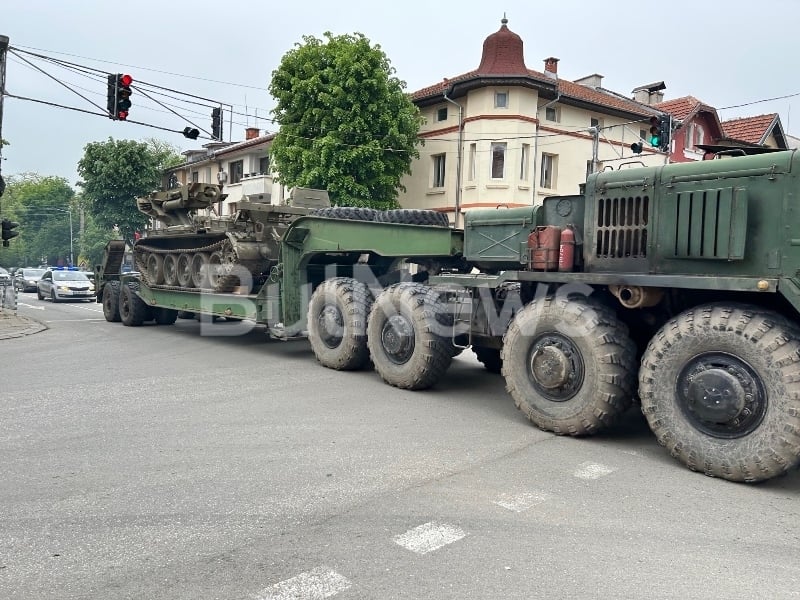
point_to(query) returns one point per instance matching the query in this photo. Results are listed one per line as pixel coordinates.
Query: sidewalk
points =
(14, 325)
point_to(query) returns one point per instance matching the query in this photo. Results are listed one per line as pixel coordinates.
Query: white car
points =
(63, 283)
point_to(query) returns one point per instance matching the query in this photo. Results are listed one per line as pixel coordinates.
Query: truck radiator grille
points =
(709, 224)
(622, 227)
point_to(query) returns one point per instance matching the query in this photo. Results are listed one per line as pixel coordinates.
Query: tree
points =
(115, 173)
(345, 123)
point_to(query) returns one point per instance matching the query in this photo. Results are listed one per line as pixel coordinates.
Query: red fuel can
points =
(543, 248)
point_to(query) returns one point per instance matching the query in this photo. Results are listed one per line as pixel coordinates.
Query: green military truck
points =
(677, 287)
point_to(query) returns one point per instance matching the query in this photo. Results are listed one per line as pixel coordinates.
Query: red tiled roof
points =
(753, 130)
(503, 58)
(681, 108)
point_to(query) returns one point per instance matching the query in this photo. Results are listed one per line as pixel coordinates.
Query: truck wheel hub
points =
(331, 326)
(716, 396)
(555, 367)
(397, 339)
(550, 367)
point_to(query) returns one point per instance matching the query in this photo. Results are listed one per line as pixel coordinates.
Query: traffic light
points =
(216, 124)
(191, 133)
(660, 131)
(637, 147)
(8, 231)
(118, 97)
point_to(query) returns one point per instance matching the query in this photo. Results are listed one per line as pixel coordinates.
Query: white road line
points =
(72, 320)
(521, 502)
(429, 537)
(30, 306)
(590, 470)
(318, 583)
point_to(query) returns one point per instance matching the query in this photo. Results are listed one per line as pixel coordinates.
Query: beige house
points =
(506, 135)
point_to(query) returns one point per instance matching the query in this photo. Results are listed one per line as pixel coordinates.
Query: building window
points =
(501, 99)
(195, 176)
(694, 136)
(524, 162)
(263, 165)
(236, 171)
(438, 170)
(549, 167)
(643, 135)
(473, 152)
(551, 114)
(596, 122)
(499, 161)
(441, 114)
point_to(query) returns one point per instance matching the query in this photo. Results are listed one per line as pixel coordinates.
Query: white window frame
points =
(524, 162)
(554, 111)
(473, 154)
(549, 171)
(501, 94)
(498, 151)
(438, 170)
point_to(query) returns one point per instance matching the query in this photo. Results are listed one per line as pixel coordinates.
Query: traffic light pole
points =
(3, 53)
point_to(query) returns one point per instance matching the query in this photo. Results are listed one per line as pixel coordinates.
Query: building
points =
(697, 124)
(760, 130)
(507, 135)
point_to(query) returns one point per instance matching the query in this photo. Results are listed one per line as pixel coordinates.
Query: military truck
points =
(674, 287)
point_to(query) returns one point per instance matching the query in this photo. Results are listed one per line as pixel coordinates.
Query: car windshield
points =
(32, 272)
(69, 276)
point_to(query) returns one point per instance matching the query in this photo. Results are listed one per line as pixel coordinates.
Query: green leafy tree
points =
(115, 173)
(345, 123)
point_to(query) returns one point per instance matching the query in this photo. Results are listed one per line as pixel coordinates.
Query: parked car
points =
(63, 283)
(5, 277)
(25, 279)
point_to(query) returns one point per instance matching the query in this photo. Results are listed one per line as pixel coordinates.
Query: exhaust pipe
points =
(635, 296)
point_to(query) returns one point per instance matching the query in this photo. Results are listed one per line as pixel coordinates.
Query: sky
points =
(726, 53)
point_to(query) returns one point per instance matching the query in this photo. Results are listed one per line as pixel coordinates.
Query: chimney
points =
(251, 133)
(551, 65)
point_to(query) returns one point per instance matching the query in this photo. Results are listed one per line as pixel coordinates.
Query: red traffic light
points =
(125, 79)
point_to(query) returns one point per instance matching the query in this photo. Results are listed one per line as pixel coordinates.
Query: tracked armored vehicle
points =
(200, 251)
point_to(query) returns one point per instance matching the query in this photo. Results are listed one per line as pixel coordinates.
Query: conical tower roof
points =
(502, 53)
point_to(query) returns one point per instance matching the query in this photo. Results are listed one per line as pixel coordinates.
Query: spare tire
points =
(413, 216)
(351, 213)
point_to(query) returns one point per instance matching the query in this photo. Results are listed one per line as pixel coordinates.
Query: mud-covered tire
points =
(569, 365)
(111, 302)
(411, 216)
(337, 323)
(406, 340)
(489, 358)
(720, 388)
(164, 316)
(132, 309)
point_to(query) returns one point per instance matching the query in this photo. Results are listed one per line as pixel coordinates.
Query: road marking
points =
(429, 537)
(521, 502)
(30, 306)
(318, 583)
(590, 470)
(72, 320)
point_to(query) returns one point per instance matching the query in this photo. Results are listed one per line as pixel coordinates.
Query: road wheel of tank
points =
(720, 388)
(155, 268)
(184, 270)
(164, 316)
(337, 323)
(170, 268)
(569, 365)
(199, 270)
(111, 302)
(132, 309)
(408, 344)
(489, 357)
(411, 216)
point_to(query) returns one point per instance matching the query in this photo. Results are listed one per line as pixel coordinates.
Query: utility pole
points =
(3, 52)
(595, 131)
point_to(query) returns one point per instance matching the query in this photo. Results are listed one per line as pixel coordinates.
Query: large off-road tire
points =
(720, 388)
(164, 316)
(569, 364)
(489, 357)
(351, 213)
(411, 216)
(132, 309)
(337, 323)
(111, 302)
(407, 342)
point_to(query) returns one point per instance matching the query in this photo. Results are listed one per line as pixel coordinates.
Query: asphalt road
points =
(156, 462)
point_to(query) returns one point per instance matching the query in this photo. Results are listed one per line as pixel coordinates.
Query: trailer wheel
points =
(337, 323)
(407, 342)
(132, 309)
(569, 365)
(720, 388)
(111, 302)
(165, 316)
(489, 357)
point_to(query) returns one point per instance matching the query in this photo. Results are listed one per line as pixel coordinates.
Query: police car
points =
(65, 283)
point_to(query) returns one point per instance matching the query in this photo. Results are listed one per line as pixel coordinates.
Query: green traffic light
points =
(655, 141)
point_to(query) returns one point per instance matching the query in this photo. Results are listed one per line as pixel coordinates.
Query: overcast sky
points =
(724, 53)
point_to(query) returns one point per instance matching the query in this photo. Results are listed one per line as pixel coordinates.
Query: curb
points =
(15, 326)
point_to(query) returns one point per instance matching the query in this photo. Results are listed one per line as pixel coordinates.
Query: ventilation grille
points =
(710, 224)
(622, 227)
